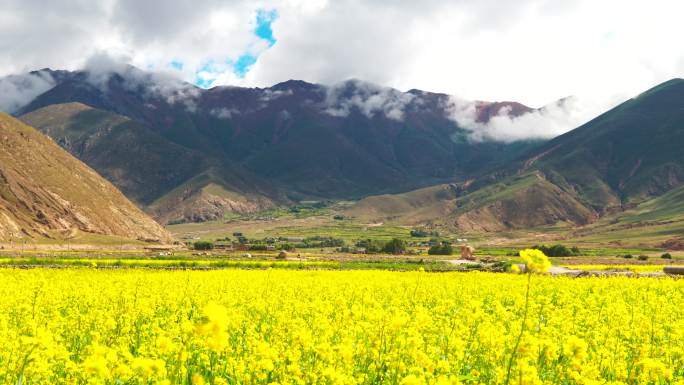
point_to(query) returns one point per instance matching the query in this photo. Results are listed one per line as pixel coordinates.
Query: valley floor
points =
(638, 237)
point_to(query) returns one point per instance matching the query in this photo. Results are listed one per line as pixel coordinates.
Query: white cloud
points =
(544, 123)
(368, 98)
(269, 95)
(163, 85)
(224, 112)
(151, 33)
(18, 90)
(531, 51)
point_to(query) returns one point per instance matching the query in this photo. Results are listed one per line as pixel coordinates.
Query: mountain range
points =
(186, 154)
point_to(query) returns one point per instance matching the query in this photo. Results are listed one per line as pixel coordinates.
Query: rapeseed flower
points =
(535, 260)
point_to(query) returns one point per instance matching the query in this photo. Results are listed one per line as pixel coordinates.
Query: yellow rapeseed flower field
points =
(87, 326)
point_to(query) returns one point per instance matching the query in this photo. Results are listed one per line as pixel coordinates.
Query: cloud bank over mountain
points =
(544, 123)
(532, 51)
(18, 90)
(338, 100)
(368, 98)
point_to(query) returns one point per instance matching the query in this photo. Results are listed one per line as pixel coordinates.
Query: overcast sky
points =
(531, 51)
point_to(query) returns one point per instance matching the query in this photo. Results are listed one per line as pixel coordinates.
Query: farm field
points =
(602, 238)
(399, 264)
(650, 268)
(87, 326)
(292, 227)
(487, 259)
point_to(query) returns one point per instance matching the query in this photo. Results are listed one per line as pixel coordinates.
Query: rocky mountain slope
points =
(47, 193)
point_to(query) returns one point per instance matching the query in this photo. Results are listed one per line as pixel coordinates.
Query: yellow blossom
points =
(535, 260)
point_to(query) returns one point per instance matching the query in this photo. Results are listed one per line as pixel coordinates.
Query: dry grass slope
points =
(47, 193)
(413, 207)
(206, 197)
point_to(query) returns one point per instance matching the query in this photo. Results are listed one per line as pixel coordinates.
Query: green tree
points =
(395, 246)
(443, 249)
(203, 245)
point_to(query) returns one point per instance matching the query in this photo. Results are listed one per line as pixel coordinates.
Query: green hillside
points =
(418, 206)
(624, 168)
(653, 222)
(624, 156)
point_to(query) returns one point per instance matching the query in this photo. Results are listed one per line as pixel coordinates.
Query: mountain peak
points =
(672, 85)
(293, 84)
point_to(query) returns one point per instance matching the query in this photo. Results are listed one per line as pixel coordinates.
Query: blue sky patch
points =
(177, 64)
(242, 65)
(263, 30)
(204, 83)
(264, 19)
(207, 68)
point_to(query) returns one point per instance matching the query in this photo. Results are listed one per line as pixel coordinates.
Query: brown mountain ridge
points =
(47, 193)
